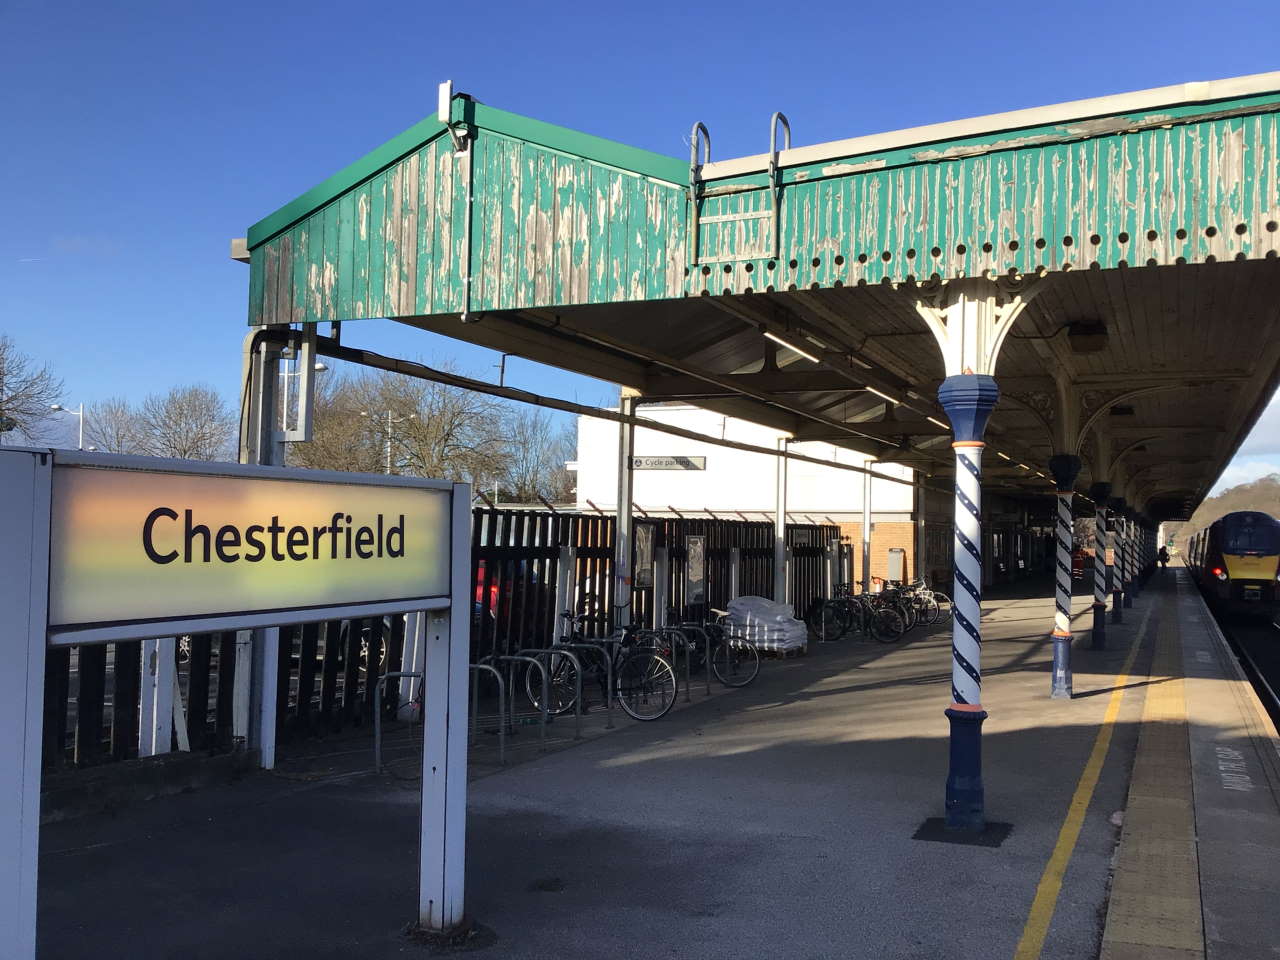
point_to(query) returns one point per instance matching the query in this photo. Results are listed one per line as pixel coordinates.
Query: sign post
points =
(102, 548)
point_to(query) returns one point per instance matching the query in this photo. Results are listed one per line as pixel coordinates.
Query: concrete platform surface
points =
(774, 821)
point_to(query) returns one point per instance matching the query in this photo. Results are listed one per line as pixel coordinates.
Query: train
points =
(1236, 562)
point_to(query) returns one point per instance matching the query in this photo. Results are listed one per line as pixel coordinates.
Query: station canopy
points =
(783, 287)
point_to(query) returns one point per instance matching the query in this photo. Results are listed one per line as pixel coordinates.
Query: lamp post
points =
(391, 421)
(78, 412)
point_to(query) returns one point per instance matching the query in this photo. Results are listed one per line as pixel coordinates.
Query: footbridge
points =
(1090, 290)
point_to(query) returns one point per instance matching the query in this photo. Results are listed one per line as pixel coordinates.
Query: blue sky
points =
(140, 137)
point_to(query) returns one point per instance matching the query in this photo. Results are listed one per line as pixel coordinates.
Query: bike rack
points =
(706, 648)
(476, 668)
(377, 711)
(577, 682)
(511, 689)
(608, 674)
(678, 640)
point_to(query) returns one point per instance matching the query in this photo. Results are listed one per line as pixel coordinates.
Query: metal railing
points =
(608, 674)
(476, 669)
(377, 711)
(511, 693)
(546, 672)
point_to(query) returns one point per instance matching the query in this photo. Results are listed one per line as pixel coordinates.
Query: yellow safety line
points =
(1037, 926)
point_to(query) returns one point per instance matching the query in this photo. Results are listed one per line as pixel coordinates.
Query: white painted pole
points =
(780, 526)
(267, 646)
(622, 534)
(735, 572)
(180, 733)
(412, 662)
(661, 586)
(565, 600)
(24, 600)
(257, 685)
(240, 689)
(155, 715)
(866, 528)
(442, 846)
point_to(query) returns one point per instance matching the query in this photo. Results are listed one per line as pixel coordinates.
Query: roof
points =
(1180, 100)
(563, 139)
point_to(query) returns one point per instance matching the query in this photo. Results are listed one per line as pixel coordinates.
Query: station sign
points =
(139, 545)
(668, 463)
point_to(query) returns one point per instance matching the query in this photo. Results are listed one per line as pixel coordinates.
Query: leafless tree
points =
(537, 448)
(113, 426)
(26, 391)
(189, 423)
(433, 430)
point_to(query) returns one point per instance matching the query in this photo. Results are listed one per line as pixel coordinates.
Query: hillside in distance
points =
(1262, 494)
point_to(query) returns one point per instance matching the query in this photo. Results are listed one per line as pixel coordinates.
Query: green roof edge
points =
(585, 145)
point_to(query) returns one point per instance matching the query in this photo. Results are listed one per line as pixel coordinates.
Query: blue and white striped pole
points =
(1140, 555)
(1065, 468)
(968, 400)
(1099, 492)
(1115, 571)
(1130, 551)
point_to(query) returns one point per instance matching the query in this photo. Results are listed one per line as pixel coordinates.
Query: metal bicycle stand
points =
(679, 640)
(706, 648)
(502, 708)
(608, 675)
(511, 689)
(577, 682)
(377, 712)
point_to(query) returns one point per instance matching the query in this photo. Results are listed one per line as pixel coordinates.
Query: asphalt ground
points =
(773, 821)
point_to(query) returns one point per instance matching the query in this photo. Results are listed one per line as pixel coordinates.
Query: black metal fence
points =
(327, 671)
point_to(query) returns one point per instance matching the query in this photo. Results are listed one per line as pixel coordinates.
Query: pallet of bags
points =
(772, 627)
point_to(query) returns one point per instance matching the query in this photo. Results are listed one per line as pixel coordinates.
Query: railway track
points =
(1257, 646)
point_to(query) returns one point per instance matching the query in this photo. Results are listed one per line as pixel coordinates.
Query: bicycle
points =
(735, 660)
(644, 681)
(877, 616)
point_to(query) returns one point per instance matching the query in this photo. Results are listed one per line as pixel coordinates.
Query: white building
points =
(687, 475)
(678, 475)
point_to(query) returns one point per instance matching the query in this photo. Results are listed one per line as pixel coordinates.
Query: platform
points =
(774, 821)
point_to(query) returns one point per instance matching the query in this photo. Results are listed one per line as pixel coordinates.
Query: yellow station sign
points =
(130, 545)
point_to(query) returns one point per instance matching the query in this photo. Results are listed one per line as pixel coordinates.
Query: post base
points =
(1117, 607)
(1098, 641)
(1128, 596)
(965, 804)
(1060, 687)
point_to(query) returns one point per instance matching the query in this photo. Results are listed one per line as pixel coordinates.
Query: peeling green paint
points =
(563, 218)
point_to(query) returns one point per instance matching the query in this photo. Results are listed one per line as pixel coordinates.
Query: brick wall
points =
(884, 536)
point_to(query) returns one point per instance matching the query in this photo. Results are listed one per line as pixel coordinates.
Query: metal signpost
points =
(668, 463)
(102, 548)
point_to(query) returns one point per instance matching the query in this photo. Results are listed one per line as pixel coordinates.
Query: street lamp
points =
(78, 412)
(390, 422)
